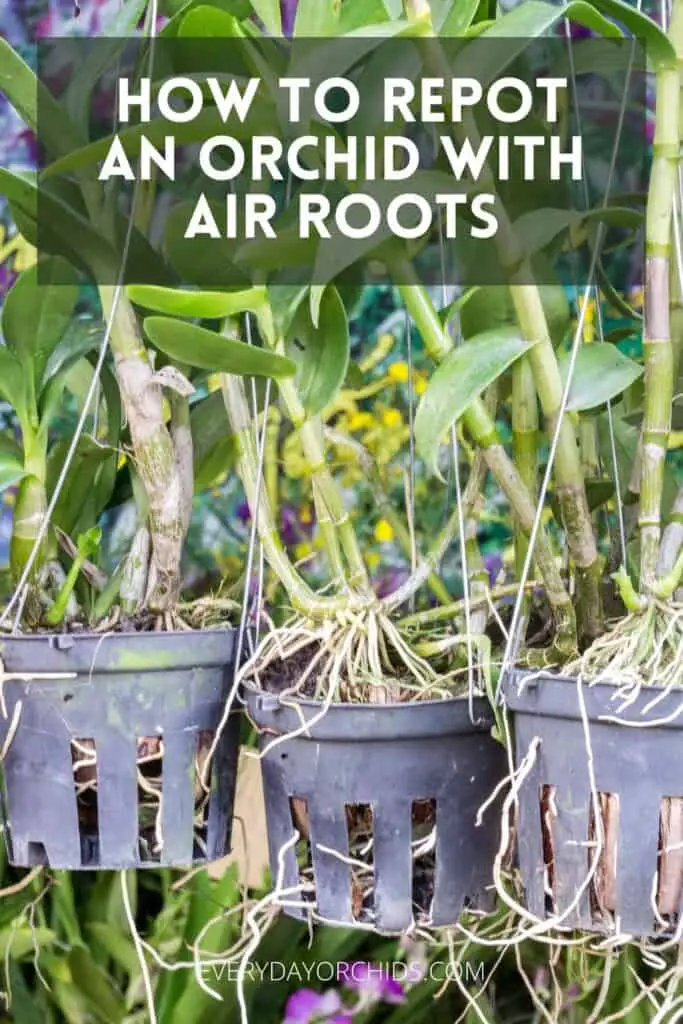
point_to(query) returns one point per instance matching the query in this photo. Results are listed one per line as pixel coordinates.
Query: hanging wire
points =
(462, 539)
(598, 309)
(514, 636)
(21, 591)
(411, 443)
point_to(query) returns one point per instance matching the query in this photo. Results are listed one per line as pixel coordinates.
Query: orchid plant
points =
(362, 645)
(301, 339)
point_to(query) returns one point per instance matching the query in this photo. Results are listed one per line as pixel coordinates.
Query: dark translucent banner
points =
(223, 162)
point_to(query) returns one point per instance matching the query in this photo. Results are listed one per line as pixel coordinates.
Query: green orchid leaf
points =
(214, 448)
(14, 388)
(465, 373)
(338, 253)
(77, 507)
(458, 17)
(284, 301)
(204, 22)
(27, 95)
(261, 121)
(538, 228)
(35, 316)
(601, 372)
(200, 304)
(208, 350)
(317, 18)
(66, 233)
(104, 1001)
(209, 264)
(268, 12)
(321, 352)
(11, 470)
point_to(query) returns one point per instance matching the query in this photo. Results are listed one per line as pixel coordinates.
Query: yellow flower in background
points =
(420, 384)
(384, 532)
(27, 255)
(399, 372)
(302, 551)
(305, 514)
(214, 382)
(392, 418)
(383, 346)
(589, 321)
(637, 297)
(361, 421)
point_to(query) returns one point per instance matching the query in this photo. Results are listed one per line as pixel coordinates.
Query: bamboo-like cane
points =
(524, 442)
(658, 349)
(153, 449)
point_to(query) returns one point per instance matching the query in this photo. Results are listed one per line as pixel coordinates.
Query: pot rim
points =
(89, 653)
(367, 722)
(549, 694)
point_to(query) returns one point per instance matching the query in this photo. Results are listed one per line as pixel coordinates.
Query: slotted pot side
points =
(115, 691)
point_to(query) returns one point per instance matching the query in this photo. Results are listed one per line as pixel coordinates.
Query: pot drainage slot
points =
(548, 812)
(150, 751)
(298, 811)
(423, 855)
(84, 767)
(670, 863)
(202, 787)
(359, 827)
(603, 887)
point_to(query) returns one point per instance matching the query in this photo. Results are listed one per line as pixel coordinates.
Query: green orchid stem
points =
(667, 585)
(384, 505)
(302, 597)
(270, 460)
(448, 611)
(524, 446)
(30, 507)
(548, 382)
(657, 344)
(633, 602)
(329, 503)
(56, 614)
(481, 426)
(109, 596)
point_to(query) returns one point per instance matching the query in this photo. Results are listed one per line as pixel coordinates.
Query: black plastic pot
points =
(635, 771)
(125, 688)
(391, 758)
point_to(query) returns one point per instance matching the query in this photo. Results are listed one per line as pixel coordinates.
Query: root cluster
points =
(644, 649)
(357, 658)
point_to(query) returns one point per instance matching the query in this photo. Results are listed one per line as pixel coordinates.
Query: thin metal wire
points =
(411, 444)
(455, 452)
(256, 609)
(598, 310)
(514, 636)
(20, 595)
(253, 533)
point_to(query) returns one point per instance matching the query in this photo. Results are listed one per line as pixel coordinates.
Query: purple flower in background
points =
(243, 513)
(373, 982)
(493, 564)
(288, 16)
(7, 279)
(308, 1007)
(388, 582)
